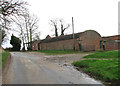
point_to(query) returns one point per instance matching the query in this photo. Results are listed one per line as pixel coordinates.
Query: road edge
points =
(6, 67)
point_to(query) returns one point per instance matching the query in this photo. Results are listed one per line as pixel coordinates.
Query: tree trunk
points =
(56, 33)
(27, 32)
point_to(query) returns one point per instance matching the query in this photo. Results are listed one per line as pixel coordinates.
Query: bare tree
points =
(63, 26)
(32, 28)
(36, 36)
(28, 28)
(9, 9)
(2, 36)
(59, 24)
(20, 30)
(54, 23)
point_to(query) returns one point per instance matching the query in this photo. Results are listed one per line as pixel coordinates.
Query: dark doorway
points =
(38, 46)
(80, 47)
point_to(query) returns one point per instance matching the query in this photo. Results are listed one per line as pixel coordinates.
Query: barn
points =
(112, 42)
(35, 45)
(88, 40)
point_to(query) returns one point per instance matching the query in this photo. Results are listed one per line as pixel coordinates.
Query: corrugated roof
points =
(59, 38)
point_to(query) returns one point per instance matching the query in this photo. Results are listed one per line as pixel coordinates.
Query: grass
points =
(58, 52)
(105, 70)
(106, 55)
(5, 55)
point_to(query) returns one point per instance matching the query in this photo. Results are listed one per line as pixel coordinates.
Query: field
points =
(105, 67)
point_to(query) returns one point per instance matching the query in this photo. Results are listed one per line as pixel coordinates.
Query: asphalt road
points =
(32, 68)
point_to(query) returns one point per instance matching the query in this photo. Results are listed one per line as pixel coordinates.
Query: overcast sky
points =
(98, 15)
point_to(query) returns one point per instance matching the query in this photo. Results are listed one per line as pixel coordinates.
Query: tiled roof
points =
(59, 38)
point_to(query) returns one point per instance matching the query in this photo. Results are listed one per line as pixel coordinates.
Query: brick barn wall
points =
(111, 46)
(35, 46)
(59, 45)
(90, 41)
(111, 43)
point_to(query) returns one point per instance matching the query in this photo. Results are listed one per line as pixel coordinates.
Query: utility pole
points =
(73, 34)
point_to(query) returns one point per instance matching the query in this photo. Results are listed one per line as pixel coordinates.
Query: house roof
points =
(48, 36)
(63, 37)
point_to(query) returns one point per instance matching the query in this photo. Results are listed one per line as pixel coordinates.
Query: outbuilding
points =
(84, 41)
(112, 42)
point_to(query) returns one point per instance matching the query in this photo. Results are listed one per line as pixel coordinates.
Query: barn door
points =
(80, 47)
(38, 46)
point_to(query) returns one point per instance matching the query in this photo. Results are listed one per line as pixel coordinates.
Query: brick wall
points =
(35, 45)
(112, 42)
(111, 45)
(89, 40)
(58, 45)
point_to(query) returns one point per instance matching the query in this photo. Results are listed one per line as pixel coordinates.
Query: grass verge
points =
(5, 55)
(106, 55)
(58, 52)
(106, 70)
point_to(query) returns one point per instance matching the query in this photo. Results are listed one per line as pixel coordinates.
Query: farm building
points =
(85, 41)
(35, 45)
(112, 42)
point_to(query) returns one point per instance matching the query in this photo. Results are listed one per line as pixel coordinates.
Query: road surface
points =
(33, 68)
